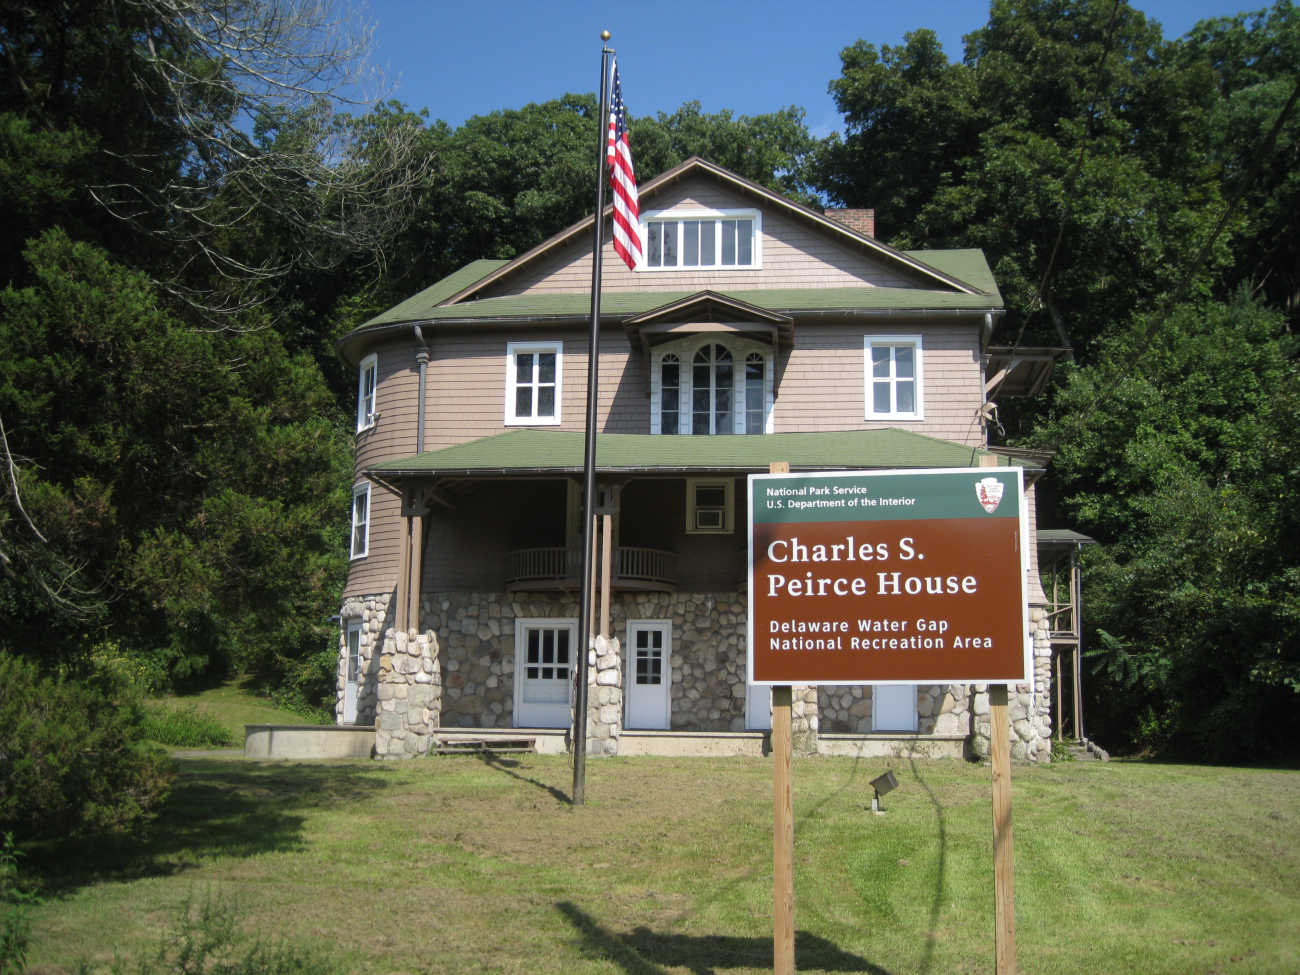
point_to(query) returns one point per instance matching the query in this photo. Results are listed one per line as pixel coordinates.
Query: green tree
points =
(1188, 473)
(189, 483)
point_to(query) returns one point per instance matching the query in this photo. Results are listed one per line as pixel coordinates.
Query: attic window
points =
(691, 240)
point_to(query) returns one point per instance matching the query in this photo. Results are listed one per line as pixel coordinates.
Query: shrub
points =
(185, 727)
(72, 757)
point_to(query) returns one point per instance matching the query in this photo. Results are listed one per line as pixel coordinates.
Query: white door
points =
(544, 672)
(352, 666)
(649, 674)
(893, 707)
(758, 707)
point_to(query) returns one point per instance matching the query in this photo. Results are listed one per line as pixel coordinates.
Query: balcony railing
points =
(561, 568)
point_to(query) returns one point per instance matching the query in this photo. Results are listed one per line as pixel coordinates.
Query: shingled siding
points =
(821, 388)
(393, 435)
(823, 381)
(793, 257)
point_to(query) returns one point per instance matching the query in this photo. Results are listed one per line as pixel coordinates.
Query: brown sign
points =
(880, 577)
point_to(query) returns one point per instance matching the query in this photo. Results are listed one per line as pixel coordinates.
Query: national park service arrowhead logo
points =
(989, 492)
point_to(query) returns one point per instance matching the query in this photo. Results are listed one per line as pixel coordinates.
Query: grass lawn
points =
(234, 706)
(465, 864)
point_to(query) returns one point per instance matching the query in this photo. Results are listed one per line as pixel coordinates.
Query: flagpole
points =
(589, 455)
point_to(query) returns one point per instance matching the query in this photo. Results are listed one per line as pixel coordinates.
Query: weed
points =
(207, 935)
(16, 905)
(185, 727)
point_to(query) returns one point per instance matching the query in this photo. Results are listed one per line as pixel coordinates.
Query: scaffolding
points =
(1059, 570)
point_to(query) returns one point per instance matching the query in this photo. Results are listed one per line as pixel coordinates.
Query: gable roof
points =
(695, 166)
(707, 311)
(555, 452)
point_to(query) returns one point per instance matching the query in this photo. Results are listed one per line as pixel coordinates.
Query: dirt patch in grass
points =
(478, 864)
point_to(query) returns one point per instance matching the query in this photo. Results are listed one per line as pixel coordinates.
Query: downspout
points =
(422, 358)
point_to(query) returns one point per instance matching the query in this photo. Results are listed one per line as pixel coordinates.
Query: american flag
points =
(622, 180)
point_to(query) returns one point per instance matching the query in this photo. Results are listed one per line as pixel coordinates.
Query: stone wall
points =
(466, 648)
(373, 611)
(604, 696)
(410, 690)
(943, 709)
(1028, 710)
(476, 633)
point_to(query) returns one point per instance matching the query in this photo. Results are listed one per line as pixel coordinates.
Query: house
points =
(758, 330)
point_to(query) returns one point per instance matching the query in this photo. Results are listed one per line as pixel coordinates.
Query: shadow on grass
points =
(645, 952)
(941, 871)
(507, 766)
(217, 808)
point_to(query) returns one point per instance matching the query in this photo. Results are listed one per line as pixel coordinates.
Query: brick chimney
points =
(863, 221)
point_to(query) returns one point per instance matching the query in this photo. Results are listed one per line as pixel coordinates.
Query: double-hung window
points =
(366, 393)
(893, 377)
(683, 240)
(533, 382)
(360, 520)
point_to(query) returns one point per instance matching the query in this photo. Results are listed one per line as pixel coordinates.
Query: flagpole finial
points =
(604, 35)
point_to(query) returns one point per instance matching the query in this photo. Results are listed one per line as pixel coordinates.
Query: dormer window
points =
(710, 388)
(690, 240)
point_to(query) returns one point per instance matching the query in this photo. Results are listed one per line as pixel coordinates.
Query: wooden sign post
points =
(887, 577)
(782, 818)
(1004, 892)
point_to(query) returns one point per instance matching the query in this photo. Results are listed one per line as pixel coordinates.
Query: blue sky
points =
(463, 59)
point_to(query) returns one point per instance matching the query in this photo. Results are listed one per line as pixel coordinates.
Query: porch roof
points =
(524, 452)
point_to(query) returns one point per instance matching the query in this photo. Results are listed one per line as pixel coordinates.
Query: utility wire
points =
(1131, 359)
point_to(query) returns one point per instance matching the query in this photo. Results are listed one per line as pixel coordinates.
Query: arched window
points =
(670, 380)
(755, 393)
(712, 389)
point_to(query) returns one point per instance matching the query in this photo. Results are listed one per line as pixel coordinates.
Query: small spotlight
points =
(883, 785)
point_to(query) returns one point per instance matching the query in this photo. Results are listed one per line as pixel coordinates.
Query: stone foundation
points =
(1028, 711)
(942, 709)
(410, 691)
(604, 696)
(457, 671)
(373, 611)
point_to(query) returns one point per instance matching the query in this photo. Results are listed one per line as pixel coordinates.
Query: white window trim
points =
(363, 422)
(893, 340)
(521, 652)
(728, 517)
(357, 490)
(533, 421)
(740, 214)
(685, 350)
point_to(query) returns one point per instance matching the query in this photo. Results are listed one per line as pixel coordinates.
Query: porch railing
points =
(561, 568)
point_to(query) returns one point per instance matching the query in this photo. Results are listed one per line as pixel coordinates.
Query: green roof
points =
(577, 304)
(969, 266)
(416, 306)
(519, 452)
